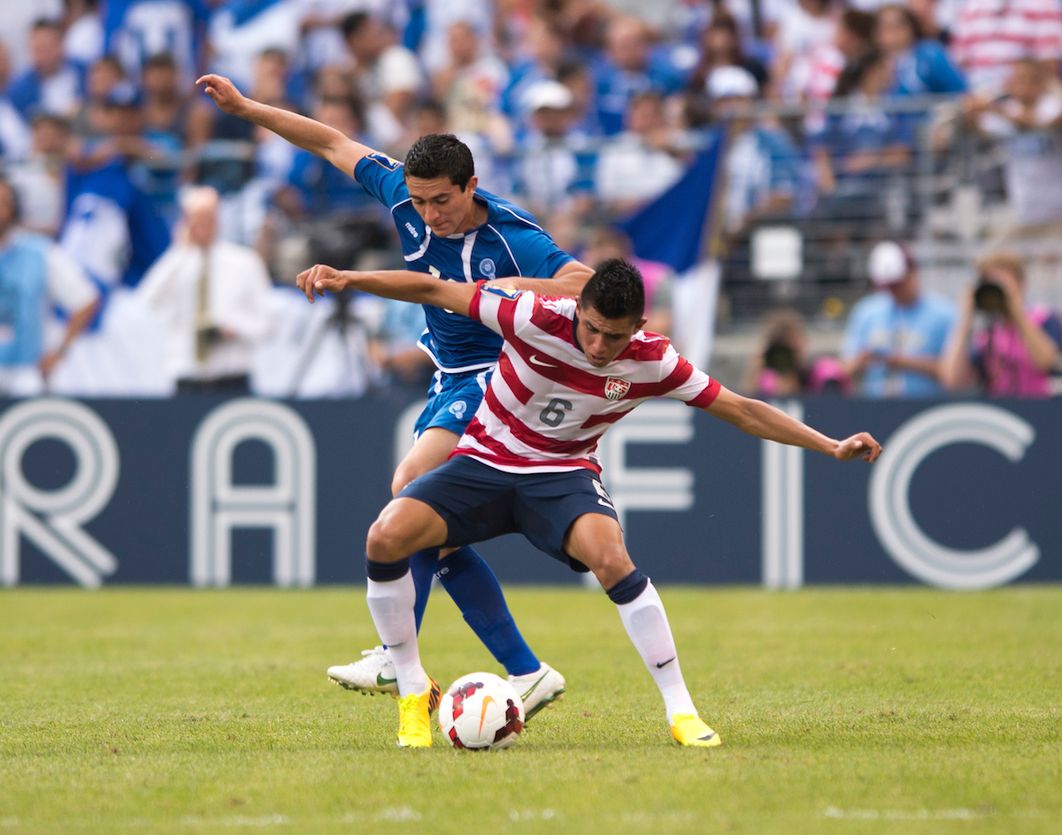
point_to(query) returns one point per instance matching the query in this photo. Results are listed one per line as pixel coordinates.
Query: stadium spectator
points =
(1014, 352)
(470, 85)
(804, 28)
(1028, 120)
(720, 46)
(394, 347)
(630, 66)
(638, 164)
(760, 166)
(920, 65)
(895, 337)
(15, 137)
(134, 30)
(860, 147)
(555, 171)
(853, 38)
(39, 178)
(83, 36)
(990, 35)
(546, 48)
(609, 242)
(35, 274)
(239, 30)
(783, 367)
(211, 298)
(102, 77)
(387, 75)
(16, 23)
(51, 84)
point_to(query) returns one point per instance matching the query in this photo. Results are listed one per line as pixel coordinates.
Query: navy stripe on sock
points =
(385, 572)
(629, 587)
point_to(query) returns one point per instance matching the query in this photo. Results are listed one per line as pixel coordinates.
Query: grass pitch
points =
(173, 711)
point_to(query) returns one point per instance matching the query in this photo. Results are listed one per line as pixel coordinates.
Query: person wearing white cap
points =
(896, 336)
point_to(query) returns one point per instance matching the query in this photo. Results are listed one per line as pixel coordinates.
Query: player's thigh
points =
(429, 451)
(404, 527)
(596, 540)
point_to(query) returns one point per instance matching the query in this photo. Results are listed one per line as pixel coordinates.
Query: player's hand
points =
(320, 279)
(862, 444)
(48, 363)
(223, 92)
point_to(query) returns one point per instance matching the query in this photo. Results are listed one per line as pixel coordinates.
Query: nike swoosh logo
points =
(487, 702)
(383, 682)
(663, 664)
(536, 361)
(531, 689)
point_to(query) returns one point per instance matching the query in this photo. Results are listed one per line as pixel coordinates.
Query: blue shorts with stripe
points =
(452, 400)
(478, 502)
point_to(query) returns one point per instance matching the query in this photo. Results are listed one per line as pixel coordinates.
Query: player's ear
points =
(640, 325)
(473, 181)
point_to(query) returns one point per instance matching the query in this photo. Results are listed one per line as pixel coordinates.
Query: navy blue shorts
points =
(478, 502)
(452, 400)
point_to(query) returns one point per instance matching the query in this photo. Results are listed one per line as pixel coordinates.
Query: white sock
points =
(391, 606)
(646, 623)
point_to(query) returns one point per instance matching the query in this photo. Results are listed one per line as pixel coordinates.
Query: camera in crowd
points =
(780, 357)
(988, 297)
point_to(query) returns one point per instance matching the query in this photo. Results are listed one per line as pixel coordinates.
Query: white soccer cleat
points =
(374, 673)
(538, 689)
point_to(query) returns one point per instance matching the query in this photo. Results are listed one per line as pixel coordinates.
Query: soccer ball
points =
(481, 711)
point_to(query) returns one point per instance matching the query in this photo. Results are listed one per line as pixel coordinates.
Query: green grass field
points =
(910, 711)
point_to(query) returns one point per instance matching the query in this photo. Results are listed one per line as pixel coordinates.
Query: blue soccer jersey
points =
(509, 243)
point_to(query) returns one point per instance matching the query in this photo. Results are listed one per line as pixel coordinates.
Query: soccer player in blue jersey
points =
(456, 232)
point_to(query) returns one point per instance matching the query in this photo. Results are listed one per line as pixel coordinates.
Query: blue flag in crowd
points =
(670, 229)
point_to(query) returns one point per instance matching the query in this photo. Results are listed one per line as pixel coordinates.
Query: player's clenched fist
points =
(319, 279)
(862, 444)
(223, 92)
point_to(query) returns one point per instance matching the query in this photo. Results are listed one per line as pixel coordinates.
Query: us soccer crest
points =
(615, 388)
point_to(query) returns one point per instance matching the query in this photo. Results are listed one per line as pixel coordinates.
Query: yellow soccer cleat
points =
(689, 729)
(414, 717)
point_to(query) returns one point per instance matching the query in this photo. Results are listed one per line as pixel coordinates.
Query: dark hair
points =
(615, 290)
(441, 155)
(860, 24)
(855, 71)
(909, 16)
(46, 23)
(161, 60)
(352, 23)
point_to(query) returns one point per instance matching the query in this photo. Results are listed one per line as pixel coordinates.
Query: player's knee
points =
(385, 542)
(611, 564)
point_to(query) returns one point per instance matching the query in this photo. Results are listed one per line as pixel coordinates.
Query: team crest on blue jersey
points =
(615, 388)
(458, 409)
(487, 268)
(499, 290)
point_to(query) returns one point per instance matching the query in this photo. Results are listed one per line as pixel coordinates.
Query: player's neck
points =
(476, 217)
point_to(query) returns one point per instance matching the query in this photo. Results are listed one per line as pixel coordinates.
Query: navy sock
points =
(423, 564)
(475, 590)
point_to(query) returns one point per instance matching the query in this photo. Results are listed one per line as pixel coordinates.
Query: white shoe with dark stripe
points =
(538, 689)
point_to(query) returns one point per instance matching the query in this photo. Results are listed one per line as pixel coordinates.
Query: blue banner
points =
(213, 492)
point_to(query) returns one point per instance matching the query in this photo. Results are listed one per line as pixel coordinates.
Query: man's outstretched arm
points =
(402, 285)
(328, 143)
(765, 421)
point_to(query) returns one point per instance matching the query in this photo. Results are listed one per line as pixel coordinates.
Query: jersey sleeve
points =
(383, 178)
(537, 256)
(687, 382)
(496, 307)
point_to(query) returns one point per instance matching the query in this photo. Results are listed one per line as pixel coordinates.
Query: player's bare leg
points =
(596, 540)
(404, 527)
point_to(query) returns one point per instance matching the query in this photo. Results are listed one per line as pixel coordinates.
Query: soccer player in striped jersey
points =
(568, 370)
(451, 230)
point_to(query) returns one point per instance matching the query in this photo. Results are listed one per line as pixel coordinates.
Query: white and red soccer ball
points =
(481, 711)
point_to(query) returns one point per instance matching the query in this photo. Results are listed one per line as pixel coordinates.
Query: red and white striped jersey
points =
(547, 406)
(990, 35)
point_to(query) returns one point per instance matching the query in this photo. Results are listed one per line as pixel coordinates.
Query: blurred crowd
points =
(130, 191)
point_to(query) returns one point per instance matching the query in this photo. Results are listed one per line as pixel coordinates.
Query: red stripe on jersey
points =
(650, 350)
(557, 370)
(528, 436)
(679, 374)
(597, 420)
(512, 380)
(473, 304)
(706, 397)
(506, 315)
(555, 324)
(498, 454)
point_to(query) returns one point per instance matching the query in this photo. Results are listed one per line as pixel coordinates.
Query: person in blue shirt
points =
(51, 83)
(895, 338)
(450, 229)
(920, 66)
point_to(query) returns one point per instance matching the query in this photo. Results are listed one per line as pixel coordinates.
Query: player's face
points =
(601, 339)
(446, 208)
